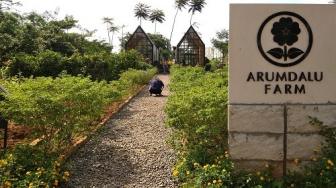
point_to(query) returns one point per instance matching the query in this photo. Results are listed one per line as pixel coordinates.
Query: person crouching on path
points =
(155, 87)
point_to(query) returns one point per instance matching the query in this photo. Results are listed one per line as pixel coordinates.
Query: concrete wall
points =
(257, 135)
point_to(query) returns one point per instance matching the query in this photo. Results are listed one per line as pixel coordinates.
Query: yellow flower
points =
(220, 181)
(10, 157)
(214, 181)
(8, 184)
(56, 183)
(258, 173)
(227, 155)
(328, 167)
(57, 164)
(206, 166)
(209, 183)
(31, 185)
(38, 173)
(292, 185)
(28, 173)
(262, 178)
(330, 162)
(188, 172)
(3, 163)
(196, 164)
(175, 173)
(66, 173)
(267, 165)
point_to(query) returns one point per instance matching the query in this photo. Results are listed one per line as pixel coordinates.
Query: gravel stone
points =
(130, 151)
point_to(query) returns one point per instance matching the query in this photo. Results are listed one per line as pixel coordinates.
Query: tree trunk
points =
(122, 38)
(112, 41)
(108, 35)
(155, 28)
(171, 33)
(191, 18)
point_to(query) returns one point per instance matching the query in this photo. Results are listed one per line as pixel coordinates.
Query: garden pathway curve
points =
(130, 151)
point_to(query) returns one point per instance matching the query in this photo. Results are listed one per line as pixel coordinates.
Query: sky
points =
(214, 17)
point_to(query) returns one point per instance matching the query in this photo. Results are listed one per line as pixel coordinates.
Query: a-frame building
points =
(141, 42)
(191, 49)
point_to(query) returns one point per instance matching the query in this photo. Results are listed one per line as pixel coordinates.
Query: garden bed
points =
(62, 113)
(17, 134)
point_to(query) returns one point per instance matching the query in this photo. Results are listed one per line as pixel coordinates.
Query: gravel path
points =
(130, 151)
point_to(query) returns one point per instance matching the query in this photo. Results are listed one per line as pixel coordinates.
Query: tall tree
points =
(179, 4)
(162, 43)
(141, 11)
(113, 29)
(157, 16)
(122, 36)
(221, 42)
(124, 40)
(7, 4)
(196, 6)
(109, 22)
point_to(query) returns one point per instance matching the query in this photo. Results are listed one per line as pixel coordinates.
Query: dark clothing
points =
(207, 67)
(155, 91)
(156, 86)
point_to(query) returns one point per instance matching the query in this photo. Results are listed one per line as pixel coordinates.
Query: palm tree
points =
(109, 22)
(179, 4)
(141, 11)
(196, 6)
(122, 35)
(157, 16)
(113, 29)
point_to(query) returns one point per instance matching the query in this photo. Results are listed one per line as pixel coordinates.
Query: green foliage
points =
(322, 171)
(28, 166)
(33, 34)
(57, 109)
(197, 113)
(221, 42)
(99, 66)
(163, 43)
(56, 106)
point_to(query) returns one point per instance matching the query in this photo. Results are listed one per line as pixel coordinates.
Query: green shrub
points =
(99, 66)
(28, 166)
(132, 78)
(23, 64)
(196, 110)
(56, 105)
(57, 109)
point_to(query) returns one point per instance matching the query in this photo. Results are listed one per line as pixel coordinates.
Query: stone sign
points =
(282, 54)
(282, 70)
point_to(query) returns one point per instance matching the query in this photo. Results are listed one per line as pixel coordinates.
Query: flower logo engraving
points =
(290, 34)
(285, 33)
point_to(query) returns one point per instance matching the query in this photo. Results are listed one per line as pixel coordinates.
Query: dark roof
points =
(191, 30)
(140, 30)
